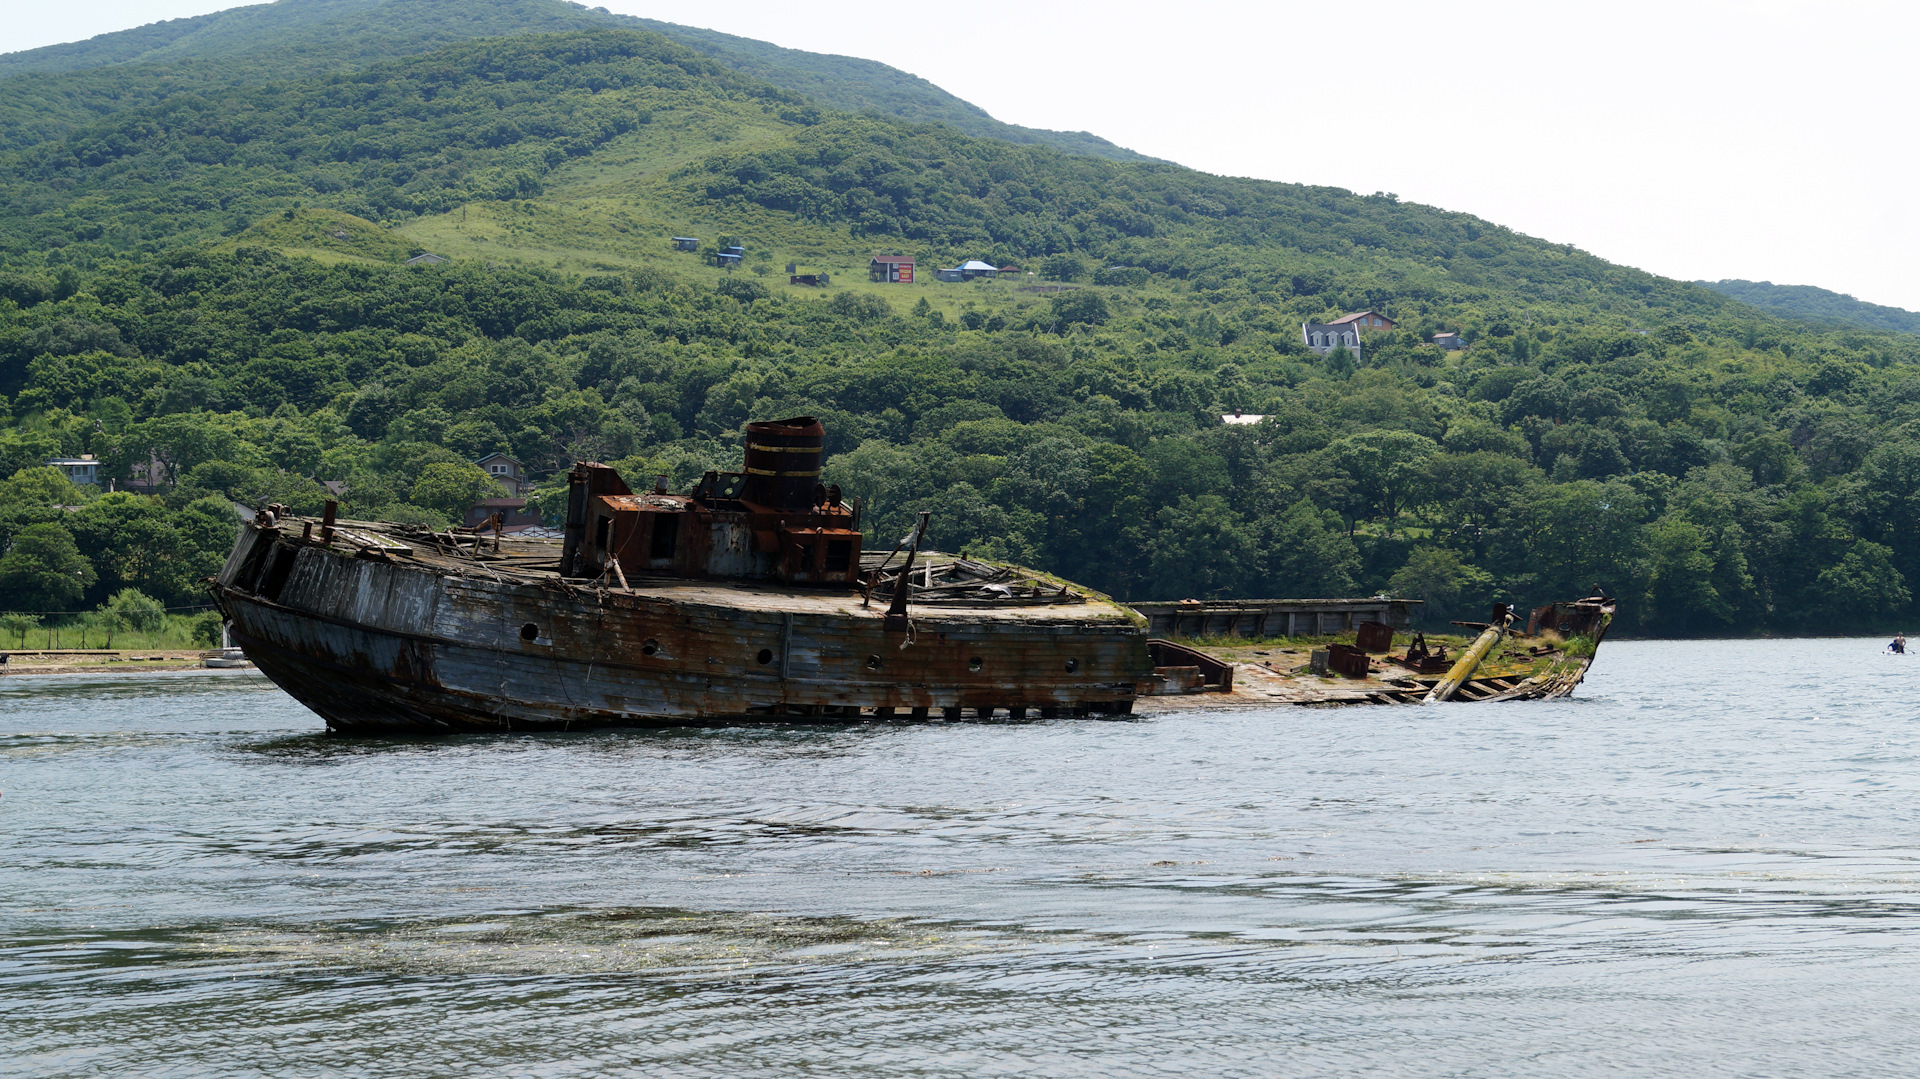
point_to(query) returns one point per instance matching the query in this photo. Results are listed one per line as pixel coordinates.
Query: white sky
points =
(1770, 139)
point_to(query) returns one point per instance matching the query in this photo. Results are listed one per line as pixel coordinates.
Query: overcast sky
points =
(1767, 139)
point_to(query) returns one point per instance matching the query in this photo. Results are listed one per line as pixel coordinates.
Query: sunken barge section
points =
(745, 600)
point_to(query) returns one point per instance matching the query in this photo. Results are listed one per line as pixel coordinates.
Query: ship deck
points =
(1267, 675)
(1030, 597)
(953, 590)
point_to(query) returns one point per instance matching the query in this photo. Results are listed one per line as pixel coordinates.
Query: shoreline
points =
(104, 661)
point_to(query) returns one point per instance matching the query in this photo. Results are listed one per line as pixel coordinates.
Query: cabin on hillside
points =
(1324, 337)
(969, 270)
(515, 514)
(1343, 332)
(896, 269)
(686, 243)
(507, 471)
(79, 470)
(427, 259)
(144, 477)
(1364, 321)
(815, 280)
(1448, 340)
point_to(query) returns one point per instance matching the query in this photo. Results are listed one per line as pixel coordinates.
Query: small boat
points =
(227, 656)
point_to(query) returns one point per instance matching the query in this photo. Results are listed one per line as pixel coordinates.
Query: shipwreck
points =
(750, 598)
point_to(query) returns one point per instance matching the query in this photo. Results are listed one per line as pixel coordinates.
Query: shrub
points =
(137, 610)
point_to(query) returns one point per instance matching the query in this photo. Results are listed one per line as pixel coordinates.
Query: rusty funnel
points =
(783, 462)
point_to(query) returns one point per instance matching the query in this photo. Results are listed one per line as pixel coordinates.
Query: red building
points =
(897, 269)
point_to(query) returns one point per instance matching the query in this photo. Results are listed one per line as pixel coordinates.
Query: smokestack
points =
(783, 462)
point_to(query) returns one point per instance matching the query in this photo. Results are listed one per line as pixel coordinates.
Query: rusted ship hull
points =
(379, 643)
(747, 598)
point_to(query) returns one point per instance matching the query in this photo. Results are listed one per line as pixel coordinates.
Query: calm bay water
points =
(1707, 863)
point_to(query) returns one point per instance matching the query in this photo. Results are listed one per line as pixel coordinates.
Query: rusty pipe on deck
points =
(1469, 661)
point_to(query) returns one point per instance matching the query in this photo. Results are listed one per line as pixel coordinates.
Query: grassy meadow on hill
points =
(211, 279)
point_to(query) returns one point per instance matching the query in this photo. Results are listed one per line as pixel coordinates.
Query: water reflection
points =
(788, 741)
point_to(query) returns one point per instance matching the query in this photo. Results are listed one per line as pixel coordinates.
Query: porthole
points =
(975, 663)
(1073, 665)
(873, 663)
(765, 657)
(650, 648)
(529, 632)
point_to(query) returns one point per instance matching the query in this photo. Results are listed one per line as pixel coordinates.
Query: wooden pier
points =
(1256, 618)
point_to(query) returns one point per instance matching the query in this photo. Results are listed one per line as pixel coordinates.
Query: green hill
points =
(290, 38)
(1817, 305)
(326, 235)
(176, 294)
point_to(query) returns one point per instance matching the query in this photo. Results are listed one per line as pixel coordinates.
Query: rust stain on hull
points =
(391, 645)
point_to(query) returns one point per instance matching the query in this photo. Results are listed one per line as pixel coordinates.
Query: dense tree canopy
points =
(1720, 469)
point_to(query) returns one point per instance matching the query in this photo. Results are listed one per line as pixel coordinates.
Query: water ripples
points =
(1687, 870)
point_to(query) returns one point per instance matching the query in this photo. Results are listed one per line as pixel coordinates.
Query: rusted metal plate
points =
(1213, 674)
(1347, 660)
(392, 645)
(1375, 637)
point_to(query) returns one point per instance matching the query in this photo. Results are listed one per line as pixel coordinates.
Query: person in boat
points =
(1898, 646)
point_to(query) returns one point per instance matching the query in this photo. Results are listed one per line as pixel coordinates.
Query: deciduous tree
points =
(43, 570)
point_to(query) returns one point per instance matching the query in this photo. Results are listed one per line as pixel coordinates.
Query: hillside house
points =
(427, 259)
(1324, 337)
(896, 269)
(686, 243)
(817, 280)
(507, 471)
(516, 515)
(144, 477)
(1343, 332)
(969, 270)
(1365, 321)
(81, 469)
(1449, 340)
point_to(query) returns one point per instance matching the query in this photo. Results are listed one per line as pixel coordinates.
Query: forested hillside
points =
(1818, 305)
(213, 284)
(75, 82)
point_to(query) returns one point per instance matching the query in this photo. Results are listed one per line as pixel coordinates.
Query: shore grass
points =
(178, 632)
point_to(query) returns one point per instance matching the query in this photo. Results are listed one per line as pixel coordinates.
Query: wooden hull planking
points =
(380, 645)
